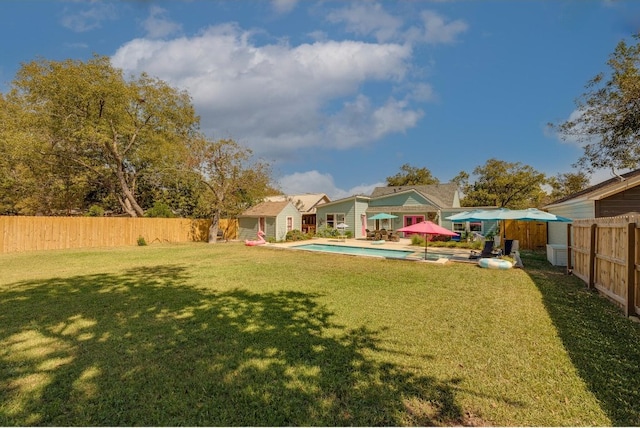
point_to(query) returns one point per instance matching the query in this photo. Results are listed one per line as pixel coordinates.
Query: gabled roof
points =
(266, 209)
(305, 203)
(604, 189)
(442, 194)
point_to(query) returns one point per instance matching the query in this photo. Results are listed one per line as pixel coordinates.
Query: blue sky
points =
(338, 95)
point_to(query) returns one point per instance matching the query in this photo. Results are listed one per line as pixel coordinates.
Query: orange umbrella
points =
(427, 228)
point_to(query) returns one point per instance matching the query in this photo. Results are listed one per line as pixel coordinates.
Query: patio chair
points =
(508, 247)
(384, 234)
(487, 251)
(370, 235)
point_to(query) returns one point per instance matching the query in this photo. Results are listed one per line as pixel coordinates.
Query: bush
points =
(296, 235)
(328, 232)
(141, 241)
(159, 209)
(95, 211)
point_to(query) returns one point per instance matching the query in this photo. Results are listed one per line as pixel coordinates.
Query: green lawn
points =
(225, 334)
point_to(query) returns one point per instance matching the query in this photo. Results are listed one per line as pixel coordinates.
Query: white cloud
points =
(576, 140)
(279, 98)
(370, 19)
(316, 182)
(367, 19)
(436, 29)
(90, 18)
(284, 6)
(157, 25)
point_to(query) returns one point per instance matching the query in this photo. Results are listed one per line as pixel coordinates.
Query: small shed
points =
(275, 219)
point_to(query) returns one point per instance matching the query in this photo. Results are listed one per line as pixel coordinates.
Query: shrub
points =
(327, 232)
(141, 241)
(159, 209)
(95, 211)
(296, 235)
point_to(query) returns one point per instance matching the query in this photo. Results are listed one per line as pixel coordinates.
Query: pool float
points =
(494, 263)
(259, 241)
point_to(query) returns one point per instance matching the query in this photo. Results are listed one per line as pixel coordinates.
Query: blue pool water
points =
(358, 251)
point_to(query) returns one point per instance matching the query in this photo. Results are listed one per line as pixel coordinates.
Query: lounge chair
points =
(370, 235)
(487, 251)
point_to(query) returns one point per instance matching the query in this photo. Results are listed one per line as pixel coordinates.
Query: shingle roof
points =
(266, 209)
(441, 194)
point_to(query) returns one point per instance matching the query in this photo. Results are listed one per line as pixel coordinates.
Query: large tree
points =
(87, 116)
(233, 181)
(567, 184)
(503, 184)
(412, 176)
(607, 119)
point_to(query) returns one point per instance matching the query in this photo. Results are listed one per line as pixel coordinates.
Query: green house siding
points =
(352, 209)
(247, 228)
(403, 199)
(280, 222)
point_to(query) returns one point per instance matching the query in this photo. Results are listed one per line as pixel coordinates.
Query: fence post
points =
(630, 304)
(592, 257)
(569, 243)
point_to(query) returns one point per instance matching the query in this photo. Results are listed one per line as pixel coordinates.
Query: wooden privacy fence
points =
(51, 233)
(531, 235)
(603, 252)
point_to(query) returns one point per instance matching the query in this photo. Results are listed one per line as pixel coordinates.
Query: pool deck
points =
(455, 254)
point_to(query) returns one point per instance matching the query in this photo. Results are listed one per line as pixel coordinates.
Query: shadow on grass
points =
(143, 348)
(603, 345)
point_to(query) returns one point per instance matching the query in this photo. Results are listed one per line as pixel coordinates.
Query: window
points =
(289, 224)
(334, 219)
(458, 227)
(475, 227)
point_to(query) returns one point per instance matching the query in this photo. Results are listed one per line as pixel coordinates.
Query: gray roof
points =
(441, 194)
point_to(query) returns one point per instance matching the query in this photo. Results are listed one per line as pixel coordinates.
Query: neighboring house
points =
(411, 204)
(306, 204)
(614, 197)
(275, 219)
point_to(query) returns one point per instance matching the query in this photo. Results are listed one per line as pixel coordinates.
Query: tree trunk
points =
(213, 229)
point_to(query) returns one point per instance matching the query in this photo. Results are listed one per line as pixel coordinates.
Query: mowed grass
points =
(224, 334)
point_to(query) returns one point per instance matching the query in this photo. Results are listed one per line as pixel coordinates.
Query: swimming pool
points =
(357, 251)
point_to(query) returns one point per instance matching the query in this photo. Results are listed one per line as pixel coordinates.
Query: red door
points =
(412, 219)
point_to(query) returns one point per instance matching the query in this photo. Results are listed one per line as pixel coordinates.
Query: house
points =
(411, 204)
(306, 204)
(613, 197)
(274, 218)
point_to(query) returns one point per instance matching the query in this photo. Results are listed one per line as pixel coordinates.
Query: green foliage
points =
(160, 209)
(505, 184)
(412, 176)
(327, 232)
(568, 183)
(608, 119)
(90, 132)
(297, 235)
(141, 241)
(232, 181)
(95, 211)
